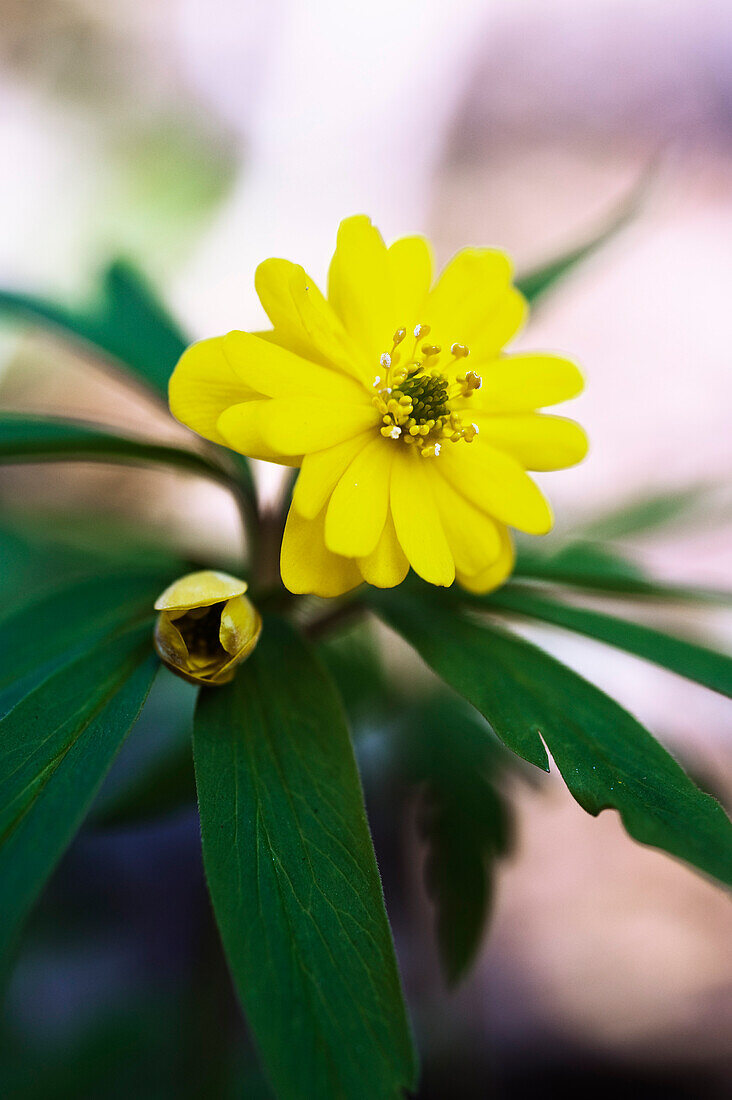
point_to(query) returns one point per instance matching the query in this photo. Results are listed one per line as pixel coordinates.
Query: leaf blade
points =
(56, 745)
(55, 626)
(534, 284)
(605, 756)
(694, 662)
(452, 756)
(127, 322)
(35, 438)
(283, 822)
(593, 568)
(648, 513)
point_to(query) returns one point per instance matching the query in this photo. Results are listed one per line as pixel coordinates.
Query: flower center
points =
(199, 629)
(414, 397)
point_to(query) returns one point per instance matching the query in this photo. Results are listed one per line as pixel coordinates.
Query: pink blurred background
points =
(200, 136)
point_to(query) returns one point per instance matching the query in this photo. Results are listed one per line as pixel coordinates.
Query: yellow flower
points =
(413, 430)
(206, 627)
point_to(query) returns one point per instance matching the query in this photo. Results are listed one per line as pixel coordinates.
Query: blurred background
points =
(197, 137)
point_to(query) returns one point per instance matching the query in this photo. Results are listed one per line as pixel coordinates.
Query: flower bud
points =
(206, 627)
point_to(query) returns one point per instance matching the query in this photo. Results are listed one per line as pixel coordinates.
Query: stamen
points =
(414, 398)
(392, 432)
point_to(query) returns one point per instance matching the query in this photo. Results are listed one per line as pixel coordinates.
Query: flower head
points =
(206, 627)
(412, 428)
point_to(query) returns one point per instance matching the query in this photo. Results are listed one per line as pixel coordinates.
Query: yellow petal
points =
(202, 385)
(303, 320)
(473, 303)
(522, 383)
(495, 573)
(291, 426)
(387, 565)
(417, 520)
(496, 484)
(538, 442)
(359, 288)
(201, 589)
(308, 566)
(321, 472)
(474, 537)
(498, 327)
(169, 643)
(410, 264)
(276, 372)
(240, 428)
(360, 501)
(240, 626)
(472, 271)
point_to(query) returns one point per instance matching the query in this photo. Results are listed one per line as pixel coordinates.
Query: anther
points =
(460, 351)
(473, 381)
(385, 360)
(431, 349)
(420, 331)
(399, 336)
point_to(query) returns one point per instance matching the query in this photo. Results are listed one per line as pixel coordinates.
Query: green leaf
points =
(30, 565)
(605, 756)
(695, 662)
(354, 662)
(465, 820)
(536, 283)
(79, 542)
(62, 622)
(165, 788)
(56, 745)
(293, 879)
(126, 322)
(648, 513)
(594, 568)
(32, 438)
(580, 559)
(154, 775)
(116, 1051)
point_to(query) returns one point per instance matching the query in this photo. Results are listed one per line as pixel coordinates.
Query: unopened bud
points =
(206, 627)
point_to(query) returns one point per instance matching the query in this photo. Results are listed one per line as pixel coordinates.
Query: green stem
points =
(342, 615)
